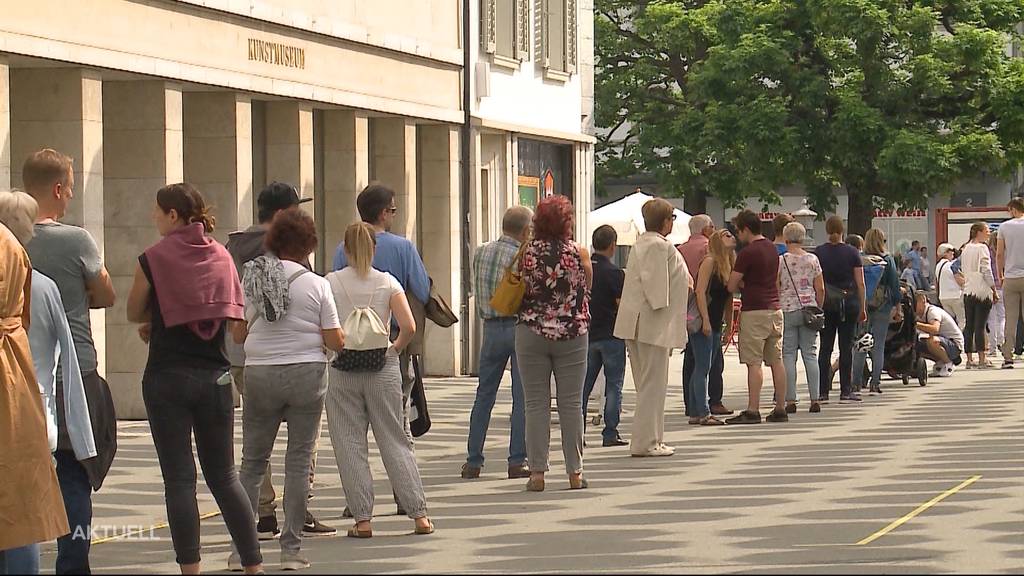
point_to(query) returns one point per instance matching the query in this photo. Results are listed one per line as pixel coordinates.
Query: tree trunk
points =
(861, 209)
(696, 202)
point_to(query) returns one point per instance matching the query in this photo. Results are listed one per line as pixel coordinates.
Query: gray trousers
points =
(273, 394)
(538, 359)
(357, 401)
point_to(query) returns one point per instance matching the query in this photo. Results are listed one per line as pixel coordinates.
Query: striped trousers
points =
(355, 402)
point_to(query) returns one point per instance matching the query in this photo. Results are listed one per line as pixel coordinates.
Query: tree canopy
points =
(891, 100)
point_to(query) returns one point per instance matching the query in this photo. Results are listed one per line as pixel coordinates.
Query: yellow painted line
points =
(919, 510)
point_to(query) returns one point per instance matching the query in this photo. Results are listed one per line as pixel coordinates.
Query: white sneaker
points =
(293, 561)
(235, 563)
(660, 450)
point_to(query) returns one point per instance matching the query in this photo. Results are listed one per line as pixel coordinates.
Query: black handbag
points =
(418, 398)
(814, 317)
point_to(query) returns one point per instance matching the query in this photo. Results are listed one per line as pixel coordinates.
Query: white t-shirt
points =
(1011, 233)
(296, 338)
(946, 280)
(376, 290)
(947, 325)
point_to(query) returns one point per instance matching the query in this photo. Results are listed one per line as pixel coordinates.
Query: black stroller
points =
(902, 362)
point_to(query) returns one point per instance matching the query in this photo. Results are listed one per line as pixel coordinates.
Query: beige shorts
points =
(761, 337)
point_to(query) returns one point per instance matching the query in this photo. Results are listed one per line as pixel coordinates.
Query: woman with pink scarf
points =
(186, 291)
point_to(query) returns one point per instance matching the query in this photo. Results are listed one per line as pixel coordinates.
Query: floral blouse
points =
(557, 301)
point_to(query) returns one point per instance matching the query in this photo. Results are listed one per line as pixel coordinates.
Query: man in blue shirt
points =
(914, 257)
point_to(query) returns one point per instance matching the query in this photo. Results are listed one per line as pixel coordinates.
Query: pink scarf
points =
(195, 281)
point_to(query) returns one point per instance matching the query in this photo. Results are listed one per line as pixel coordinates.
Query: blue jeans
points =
(705, 349)
(716, 386)
(73, 549)
(609, 354)
(497, 348)
(878, 325)
(23, 560)
(797, 337)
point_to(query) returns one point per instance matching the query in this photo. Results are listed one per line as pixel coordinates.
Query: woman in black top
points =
(186, 290)
(845, 308)
(715, 304)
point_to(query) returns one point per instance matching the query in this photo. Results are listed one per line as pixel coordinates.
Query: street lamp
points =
(806, 217)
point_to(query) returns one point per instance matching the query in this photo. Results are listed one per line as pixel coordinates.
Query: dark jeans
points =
(976, 311)
(844, 324)
(73, 549)
(610, 355)
(23, 560)
(185, 401)
(1018, 347)
(496, 352)
(716, 386)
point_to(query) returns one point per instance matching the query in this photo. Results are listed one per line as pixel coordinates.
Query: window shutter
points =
(571, 29)
(544, 19)
(488, 26)
(522, 31)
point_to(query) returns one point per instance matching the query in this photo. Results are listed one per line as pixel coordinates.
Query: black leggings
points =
(976, 310)
(842, 323)
(182, 401)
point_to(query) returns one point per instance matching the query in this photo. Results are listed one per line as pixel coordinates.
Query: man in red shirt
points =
(755, 275)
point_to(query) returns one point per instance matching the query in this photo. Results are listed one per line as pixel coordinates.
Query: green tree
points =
(891, 100)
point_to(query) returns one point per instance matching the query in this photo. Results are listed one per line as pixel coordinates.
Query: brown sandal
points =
(711, 421)
(424, 531)
(535, 486)
(354, 532)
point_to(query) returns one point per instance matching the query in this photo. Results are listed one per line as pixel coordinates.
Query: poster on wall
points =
(529, 191)
(549, 183)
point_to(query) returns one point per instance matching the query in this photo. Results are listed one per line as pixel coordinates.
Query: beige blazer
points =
(653, 306)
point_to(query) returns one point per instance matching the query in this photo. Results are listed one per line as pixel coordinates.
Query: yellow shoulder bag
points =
(508, 296)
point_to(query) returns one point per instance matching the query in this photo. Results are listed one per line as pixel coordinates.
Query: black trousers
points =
(976, 310)
(841, 323)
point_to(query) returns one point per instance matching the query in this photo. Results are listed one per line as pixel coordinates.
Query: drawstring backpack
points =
(366, 337)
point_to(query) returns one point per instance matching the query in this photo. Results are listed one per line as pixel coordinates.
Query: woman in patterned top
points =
(551, 338)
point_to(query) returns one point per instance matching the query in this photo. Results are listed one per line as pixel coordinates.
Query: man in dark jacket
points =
(246, 245)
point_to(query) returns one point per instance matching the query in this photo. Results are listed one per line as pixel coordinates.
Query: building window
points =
(505, 30)
(558, 30)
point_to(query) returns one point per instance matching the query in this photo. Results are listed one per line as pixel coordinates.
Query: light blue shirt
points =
(398, 257)
(915, 261)
(50, 338)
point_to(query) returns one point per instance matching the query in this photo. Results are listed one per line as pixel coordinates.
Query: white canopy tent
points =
(626, 217)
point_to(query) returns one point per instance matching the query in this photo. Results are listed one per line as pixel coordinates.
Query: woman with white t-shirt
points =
(365, 392)
(291, 320)
(801, 284)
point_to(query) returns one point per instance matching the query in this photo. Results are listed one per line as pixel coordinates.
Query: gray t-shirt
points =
(69, 256)
(1012, 234)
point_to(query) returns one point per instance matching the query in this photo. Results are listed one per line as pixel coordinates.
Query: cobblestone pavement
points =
(817, 494)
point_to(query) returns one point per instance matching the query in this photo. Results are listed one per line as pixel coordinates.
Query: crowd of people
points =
(253, 316)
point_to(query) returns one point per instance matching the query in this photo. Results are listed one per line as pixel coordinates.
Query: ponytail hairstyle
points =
(978, 228)
(360, 246)
(190, 205)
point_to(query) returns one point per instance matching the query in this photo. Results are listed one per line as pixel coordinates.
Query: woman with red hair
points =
(551, 338)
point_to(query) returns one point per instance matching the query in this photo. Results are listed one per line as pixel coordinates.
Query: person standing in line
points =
(693, 251)
(926, 268)
(1010, 267)
(31, 510)
(498, 348)
(878, 318)
(845, 308)
(245, 246)
(358, 400)
(69, 256)
(605, 350)
(913, 256)
(652, 321)
(291, 321)
(855, 240)
(949, 284)
(552, 337)
(801, 284)
(979, 294)
(714, 303)
(756, 277)
(778, 228)
(997, 317)
(184, 295)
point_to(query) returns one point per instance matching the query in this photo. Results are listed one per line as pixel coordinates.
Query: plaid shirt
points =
(489, 265)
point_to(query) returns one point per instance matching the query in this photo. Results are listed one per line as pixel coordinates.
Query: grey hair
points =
(18, 212)
(699, 222)
(516, 219)
(794, 233)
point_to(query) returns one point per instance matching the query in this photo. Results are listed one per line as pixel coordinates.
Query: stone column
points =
(143, 141)
(394, 165)
(218, 155)
(289, 141)
(442, 254)
(5, 126)
(346, 172)
(62, 108)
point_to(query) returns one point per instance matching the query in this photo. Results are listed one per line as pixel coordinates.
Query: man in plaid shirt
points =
(498, 346)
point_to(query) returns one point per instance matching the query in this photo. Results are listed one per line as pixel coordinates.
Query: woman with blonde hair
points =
(365, 388)
(880, 309)
(714, 301)
(979, 293)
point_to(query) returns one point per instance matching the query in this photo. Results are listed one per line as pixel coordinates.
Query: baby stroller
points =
(902, 362)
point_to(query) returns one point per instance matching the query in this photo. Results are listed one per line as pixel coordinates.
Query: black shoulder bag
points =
(814, 317)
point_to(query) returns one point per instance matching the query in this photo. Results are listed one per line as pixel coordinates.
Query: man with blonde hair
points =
(69, 256)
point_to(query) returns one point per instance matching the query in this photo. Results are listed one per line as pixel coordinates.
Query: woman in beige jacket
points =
(652, 321)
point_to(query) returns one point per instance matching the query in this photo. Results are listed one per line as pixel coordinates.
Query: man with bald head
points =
(497, 348)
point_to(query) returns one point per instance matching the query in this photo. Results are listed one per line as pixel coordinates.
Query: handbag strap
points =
(336, 280)
(785, 262)
(938, 280)
(518, 257)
